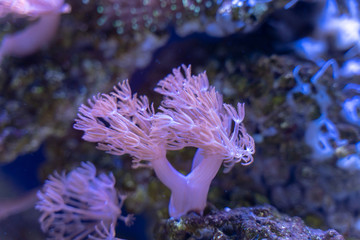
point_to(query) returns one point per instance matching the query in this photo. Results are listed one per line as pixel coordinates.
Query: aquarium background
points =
(295, 65)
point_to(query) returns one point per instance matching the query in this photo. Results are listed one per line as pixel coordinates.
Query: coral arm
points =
(167, 174)
(199, 180)
(196, 184)
(38, 34)
(14, 206)
(197, 158)
(31, 39)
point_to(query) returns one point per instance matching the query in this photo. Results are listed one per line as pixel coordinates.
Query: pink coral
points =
(37, 35)
(80, 204)
(192, 114)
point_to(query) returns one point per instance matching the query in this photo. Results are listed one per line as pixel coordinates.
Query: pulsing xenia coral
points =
(192, 114)
(80, 205)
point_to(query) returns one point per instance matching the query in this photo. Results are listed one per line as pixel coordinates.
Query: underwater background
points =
(295, 65)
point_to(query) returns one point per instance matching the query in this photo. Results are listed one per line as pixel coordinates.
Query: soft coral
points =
(192, 114)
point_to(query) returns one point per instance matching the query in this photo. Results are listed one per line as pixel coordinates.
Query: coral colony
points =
(192, 114)
(80, 204)
(37, 35)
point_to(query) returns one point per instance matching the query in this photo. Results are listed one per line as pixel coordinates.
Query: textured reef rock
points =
(242, 224)
(216, 18)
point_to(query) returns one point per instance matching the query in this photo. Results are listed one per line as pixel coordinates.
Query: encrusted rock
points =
(263, 222)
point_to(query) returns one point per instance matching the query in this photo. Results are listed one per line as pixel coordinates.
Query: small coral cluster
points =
(192, 114)
(80, 204)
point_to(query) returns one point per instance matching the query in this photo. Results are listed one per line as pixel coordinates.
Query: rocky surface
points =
(242, 224)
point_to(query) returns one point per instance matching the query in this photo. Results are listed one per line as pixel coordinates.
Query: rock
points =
(262, 222)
